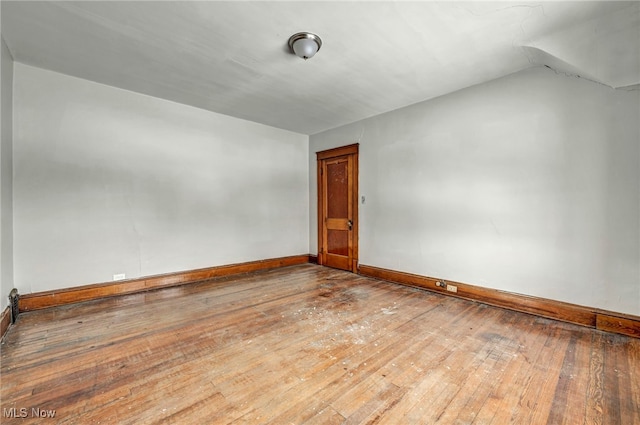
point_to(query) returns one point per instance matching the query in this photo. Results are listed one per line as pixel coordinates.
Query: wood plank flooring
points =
(311, 345)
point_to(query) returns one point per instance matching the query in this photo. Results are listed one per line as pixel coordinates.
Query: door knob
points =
(350, 224)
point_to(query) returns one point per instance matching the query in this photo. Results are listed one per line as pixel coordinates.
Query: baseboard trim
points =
(608, 321)
(619, 324)
(5, 321)
(40, 300)
(624, 324)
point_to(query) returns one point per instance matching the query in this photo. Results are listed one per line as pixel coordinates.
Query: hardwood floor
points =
(311, 345)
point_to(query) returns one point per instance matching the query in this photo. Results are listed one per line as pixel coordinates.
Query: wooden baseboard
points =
(621, 324)
(5, 321)
(624, 324)
(609, 321)
(40, 300)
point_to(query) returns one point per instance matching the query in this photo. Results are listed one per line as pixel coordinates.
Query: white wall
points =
(6, 174)
(529, 184)
(108, 181)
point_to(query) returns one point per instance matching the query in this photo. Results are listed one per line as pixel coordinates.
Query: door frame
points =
(353, 151)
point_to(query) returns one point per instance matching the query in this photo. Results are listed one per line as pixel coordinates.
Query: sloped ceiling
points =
(232, 57)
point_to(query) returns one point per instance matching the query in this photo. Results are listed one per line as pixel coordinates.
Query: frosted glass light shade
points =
(305, 44)
(305, 48)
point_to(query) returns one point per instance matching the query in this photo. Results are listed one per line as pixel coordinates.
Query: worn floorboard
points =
(311, 345)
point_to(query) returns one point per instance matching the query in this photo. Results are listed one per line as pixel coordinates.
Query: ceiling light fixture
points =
(305, 44)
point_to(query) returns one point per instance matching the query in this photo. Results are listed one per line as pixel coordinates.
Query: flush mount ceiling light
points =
(305, 44)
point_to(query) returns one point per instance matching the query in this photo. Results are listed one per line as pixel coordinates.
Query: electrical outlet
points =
(452, 288)
(119, 276)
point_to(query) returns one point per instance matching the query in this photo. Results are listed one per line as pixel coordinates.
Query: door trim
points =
(328, 154)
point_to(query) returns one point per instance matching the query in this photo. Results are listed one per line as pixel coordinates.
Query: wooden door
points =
(338, 208)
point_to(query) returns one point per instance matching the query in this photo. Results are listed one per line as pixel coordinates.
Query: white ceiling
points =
(232, 57)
